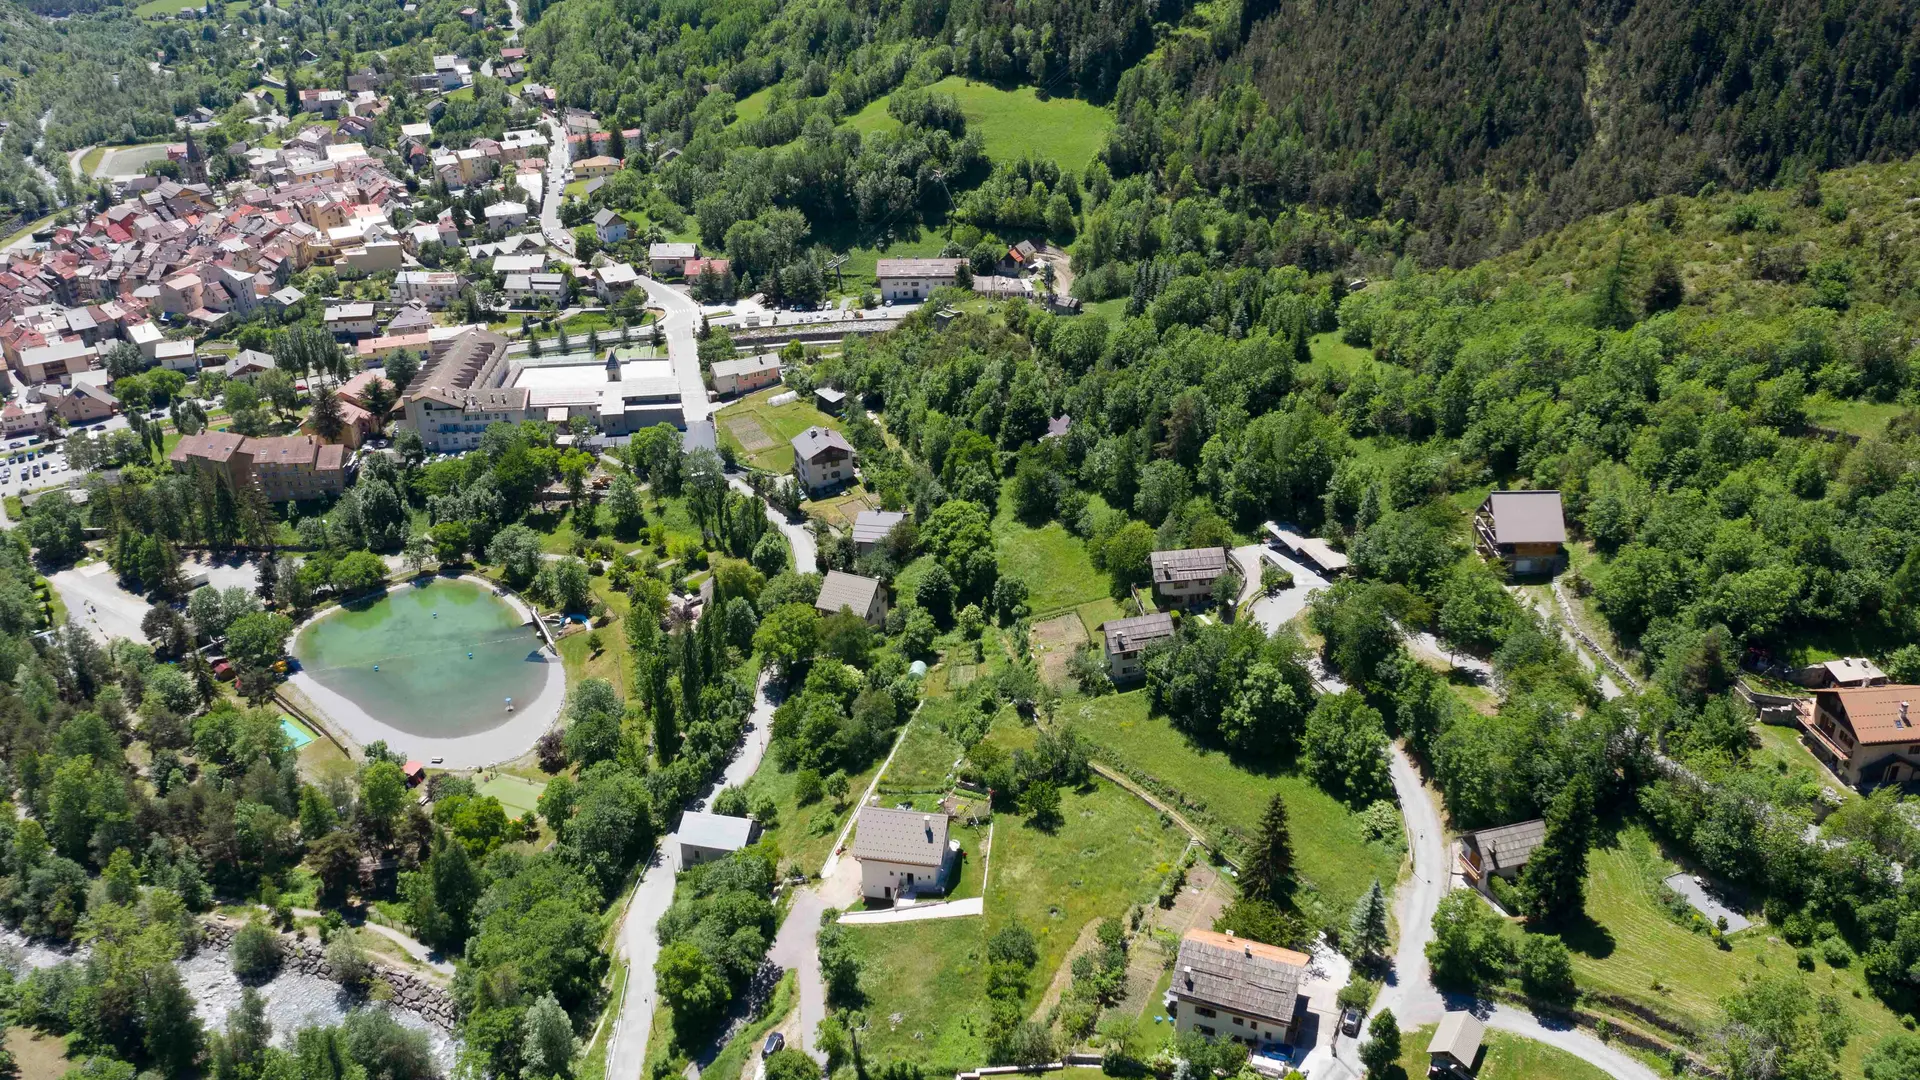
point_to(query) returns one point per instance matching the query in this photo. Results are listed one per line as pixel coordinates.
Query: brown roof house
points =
(293, 467)
(1866, 734)
(902, 853)
(1188, 574)
(1524, 529)
(1499, 852)
(83, 403)
(863, 596)
(822, 459)
(1127, 641)
(1235, 988)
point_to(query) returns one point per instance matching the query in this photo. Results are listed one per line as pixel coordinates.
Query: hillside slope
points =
(1483, 122)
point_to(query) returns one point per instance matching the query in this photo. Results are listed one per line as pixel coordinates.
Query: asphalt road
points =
(627, 1049)
(680, 320)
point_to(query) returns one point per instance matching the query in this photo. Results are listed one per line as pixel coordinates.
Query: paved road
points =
(558, 164)
(680, 321)
(654, 895)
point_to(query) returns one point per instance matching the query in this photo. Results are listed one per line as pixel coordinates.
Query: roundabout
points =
(441, 669)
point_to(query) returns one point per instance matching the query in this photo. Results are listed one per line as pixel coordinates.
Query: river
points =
(294, 1001)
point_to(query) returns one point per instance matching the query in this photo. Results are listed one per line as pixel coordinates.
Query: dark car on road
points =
(775, 1041)
(1350, 1022)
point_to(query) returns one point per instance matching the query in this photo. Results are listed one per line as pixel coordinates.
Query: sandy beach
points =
(498, 745)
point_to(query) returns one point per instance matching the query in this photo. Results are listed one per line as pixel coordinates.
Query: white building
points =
(434, 288)
(915, 279)
(350, 319)
(503, 217)
(707, 837)
(902, 853)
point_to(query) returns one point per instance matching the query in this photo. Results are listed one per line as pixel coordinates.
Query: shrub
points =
(1836, 952)
(1804, 957)
(255, 951)
(348, 960)
(1546, 970)
(807, 787)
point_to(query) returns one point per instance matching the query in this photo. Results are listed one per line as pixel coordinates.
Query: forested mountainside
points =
(1482, 121)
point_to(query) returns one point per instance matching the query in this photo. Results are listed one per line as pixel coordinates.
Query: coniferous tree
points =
(1367, 930)
(1269, 873)
(1553, 883)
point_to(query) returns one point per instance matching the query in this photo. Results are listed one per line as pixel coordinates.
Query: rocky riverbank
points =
(306, 956)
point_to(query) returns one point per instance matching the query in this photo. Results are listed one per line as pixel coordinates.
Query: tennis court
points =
(518, 795)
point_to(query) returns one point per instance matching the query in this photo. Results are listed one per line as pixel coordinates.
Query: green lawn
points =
(1866, 419)
(1219, 795)
(90, 160)
(1013, 123)
(738, 422)
(926, 755)
(1332, 354)
(753, 106)
(804, 835)
(1633, 944)
(1052, 561)
(1505, 1057)
(518, 794)
(1108, 851)
(153, 8)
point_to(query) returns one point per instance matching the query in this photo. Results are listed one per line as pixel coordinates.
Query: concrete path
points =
(414, 948)
(627, 1049)
(1273, 612)
(972, 905)
(799, 537)
(796, 948)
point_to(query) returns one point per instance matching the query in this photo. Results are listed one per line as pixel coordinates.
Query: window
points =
(1237, 1022)
(1204, 1030)
(1204, 1011)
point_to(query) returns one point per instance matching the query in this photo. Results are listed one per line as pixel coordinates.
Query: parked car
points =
(774, 1044)
(1350, 1022)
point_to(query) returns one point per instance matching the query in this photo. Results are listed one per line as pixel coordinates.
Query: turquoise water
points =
(420, 637)
(295, 732)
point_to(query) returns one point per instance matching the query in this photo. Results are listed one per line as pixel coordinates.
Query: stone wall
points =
(411, 991)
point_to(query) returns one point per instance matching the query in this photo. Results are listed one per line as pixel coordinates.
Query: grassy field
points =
(804, 835)
(769, 429)
(1506, 1057)
(926, 754)
(1332, 354)
(156, 8)
(1013, 123)
(862, 259)
(1632, 948)
(1866, 419)
(90, 160)
(518, 794)
(1333, 856)
(753, 106)
(1052, 561)
(1108, 852)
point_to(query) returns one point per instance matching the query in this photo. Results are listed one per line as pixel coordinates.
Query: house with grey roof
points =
(872, 527)
(1234, 988)
(745, 374)
(1127, 641)
(902, 853)
(704, 837)
(864, 596)
(1499, 852)
(822, 459)
(1188, 574)
(1526, 530)
(1455, 1045)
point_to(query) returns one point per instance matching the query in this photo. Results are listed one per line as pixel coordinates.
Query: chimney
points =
(1249, 951)
(1904, 722)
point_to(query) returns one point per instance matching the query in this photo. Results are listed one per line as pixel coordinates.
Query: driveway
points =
(957, 909)
(1273, 612)
(96, 601)
(796, 949)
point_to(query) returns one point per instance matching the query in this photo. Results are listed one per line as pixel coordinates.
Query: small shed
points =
(1456, 1044)
(706, 837)
(829, 401)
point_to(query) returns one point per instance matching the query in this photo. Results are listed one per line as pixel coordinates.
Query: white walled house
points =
(902, 853)
(915, 279)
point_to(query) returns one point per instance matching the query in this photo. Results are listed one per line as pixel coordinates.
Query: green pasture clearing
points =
(1052, 561)
(753, 106)
(1107, 852)
(1630, 945)
(1333, 857)
(803, 835)
(156, 8)
(926, 755)
(1013, 123)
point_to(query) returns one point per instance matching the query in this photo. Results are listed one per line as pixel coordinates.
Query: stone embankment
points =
(411, 991)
